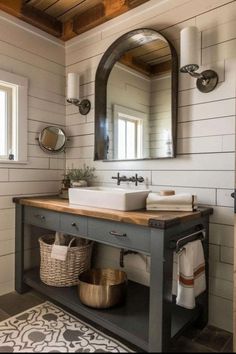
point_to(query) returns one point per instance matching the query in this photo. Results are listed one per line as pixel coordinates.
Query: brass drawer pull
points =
(42, 217)
(114, 233)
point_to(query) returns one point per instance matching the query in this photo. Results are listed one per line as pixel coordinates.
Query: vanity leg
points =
(160, 293)
(202, 321)
(20, 287)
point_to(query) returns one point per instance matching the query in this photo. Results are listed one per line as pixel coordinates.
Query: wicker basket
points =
(59, 273)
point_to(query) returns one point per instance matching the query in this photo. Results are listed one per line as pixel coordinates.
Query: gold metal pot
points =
(102, 288)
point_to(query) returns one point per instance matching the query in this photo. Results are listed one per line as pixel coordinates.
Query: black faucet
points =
(135, 179)
(120, 179)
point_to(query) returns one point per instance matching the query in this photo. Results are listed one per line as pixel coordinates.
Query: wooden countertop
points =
(156, 219)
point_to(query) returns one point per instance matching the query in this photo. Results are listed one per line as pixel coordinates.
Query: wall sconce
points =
(73, 94)
(190, 59)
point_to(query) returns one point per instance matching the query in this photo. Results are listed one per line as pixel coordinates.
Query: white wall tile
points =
(214, 253)
(208, 179)
(200, 145)
(224, 197)
(7, 263)
(227, 255)
(210, 127)
(220, 287)
(220, 313)
(221, 270)
(223, 215)
(219, 34)
(222, 235)
(228, 142)
(222, 108)
(34, 175)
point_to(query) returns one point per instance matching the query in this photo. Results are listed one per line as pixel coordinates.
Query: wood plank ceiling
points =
(151, 59)
(66, 19)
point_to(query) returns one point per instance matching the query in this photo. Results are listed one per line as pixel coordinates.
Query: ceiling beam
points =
(33, 16)
(128, 60)
(144, 68)
(161, 68)
(104, 11)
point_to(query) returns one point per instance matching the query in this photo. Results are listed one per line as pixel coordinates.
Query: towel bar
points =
(177, 244)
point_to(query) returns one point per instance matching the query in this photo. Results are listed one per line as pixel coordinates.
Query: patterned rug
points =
(49, 329)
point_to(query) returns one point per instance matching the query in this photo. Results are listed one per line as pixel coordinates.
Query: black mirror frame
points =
(110, 57)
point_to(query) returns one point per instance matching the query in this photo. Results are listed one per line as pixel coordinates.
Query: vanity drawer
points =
(73, 224)
(119, 234)
(41, 217)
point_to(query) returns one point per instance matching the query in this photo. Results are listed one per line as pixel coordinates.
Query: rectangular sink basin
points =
(109, 198)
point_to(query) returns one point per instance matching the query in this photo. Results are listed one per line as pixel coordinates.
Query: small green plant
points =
(85, 173)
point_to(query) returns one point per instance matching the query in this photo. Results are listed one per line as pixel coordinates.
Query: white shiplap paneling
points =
(41, 60)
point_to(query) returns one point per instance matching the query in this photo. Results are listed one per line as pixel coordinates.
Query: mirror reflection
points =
(52, 139)
(139, 102)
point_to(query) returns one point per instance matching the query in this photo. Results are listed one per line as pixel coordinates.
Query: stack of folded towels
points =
(177, 202)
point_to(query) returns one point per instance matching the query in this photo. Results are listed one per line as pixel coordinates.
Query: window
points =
(128, 133)
(13, 117)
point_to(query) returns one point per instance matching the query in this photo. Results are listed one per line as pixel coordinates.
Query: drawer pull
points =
(114, 233)
(74, 224)
(42, 217)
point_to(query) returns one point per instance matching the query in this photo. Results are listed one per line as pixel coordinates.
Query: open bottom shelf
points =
(129, 321)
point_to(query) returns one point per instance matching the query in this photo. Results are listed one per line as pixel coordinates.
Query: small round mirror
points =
(52, 139)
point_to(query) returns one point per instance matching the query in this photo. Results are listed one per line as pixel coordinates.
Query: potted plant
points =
(79, 177)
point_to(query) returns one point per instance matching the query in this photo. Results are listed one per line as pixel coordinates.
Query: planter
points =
(78, 184)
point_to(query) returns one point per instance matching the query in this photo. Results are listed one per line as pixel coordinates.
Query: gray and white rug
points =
(49, 329)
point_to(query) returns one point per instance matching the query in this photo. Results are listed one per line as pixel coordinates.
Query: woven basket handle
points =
(71, 241)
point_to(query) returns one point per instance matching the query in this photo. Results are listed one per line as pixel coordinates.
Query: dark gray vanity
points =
(149, 319)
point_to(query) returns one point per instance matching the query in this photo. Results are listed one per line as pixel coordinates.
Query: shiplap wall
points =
(132, 90)
(38, 57)
(206, 126)
(160, 116)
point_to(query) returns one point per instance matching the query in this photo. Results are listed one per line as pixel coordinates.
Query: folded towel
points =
(189, 278)
(179, 199)
(154, 207)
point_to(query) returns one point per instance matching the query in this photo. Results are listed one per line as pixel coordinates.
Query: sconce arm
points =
(206, 80)
(195, 74)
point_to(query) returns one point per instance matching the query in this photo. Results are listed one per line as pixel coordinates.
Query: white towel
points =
(171, 207)
(189, 278)
(178, 202)
(169, 200)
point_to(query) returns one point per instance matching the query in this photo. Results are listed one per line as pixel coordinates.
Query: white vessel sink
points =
(109, 198)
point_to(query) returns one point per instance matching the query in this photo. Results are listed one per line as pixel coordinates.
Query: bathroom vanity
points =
(149, 319)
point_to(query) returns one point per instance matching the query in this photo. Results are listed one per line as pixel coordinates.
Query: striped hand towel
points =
(189, 279)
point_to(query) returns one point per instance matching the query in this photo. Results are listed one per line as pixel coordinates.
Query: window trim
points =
(132, 115)
(8, 123)
(20, 133)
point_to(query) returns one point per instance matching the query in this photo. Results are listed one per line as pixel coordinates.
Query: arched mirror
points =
(136, 98)
(52, 139)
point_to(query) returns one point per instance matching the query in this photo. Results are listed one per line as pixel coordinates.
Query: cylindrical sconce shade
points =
(73, 86)
(190, 49)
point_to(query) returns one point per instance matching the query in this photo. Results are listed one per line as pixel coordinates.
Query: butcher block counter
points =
(149, 319)
(157, 219)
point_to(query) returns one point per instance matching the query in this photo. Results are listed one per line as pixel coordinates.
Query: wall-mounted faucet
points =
(136, 179)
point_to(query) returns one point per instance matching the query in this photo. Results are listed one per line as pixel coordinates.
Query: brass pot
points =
(102, 288)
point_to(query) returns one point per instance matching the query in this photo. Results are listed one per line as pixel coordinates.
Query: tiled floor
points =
(208, 340)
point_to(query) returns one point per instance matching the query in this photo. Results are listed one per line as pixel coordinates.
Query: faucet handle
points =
(118, 178)
(140, 179)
